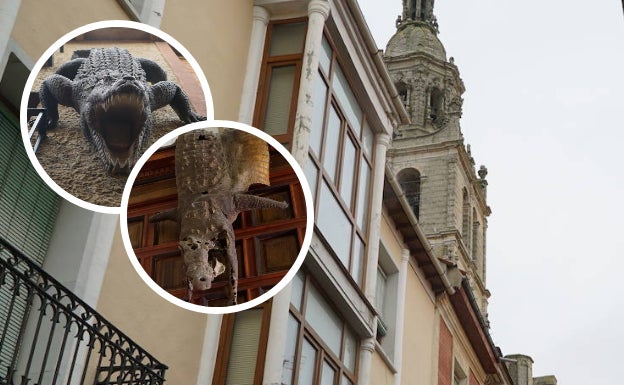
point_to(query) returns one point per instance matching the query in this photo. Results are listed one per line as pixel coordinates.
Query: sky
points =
(543, 112)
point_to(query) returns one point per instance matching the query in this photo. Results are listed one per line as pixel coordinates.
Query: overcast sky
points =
(543, 111)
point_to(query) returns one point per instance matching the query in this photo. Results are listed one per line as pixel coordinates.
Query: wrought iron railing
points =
(59, 338)
(39, 124)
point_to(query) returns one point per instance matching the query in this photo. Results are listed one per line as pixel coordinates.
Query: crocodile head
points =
(202, 257)
(117, 117)
(207, 238)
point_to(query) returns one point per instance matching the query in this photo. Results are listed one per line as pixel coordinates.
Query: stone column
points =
(367, 347)
(382, 141)
(276, 343)
(254, 62)
(209, 349)
(318, 11)
(400, 315)
(379, 167)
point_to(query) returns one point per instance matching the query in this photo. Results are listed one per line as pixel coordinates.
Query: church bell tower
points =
(429, 157)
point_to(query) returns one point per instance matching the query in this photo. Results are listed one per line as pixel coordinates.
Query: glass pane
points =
(345, 381)
(262, 216)
(277, 253)
(332, 142)
(320, 96)
(325, 322)
(287, 39)
(380, 291)
(325, 56)
(347, 100)
(350, 350)
(348, 171)
(358, 260)
(328, 374)
(296, 293)
(166, 231)
(244, 347)
(135, 231)
(363, 193)
(367, 140)
(334, 224)
(307, 361)
(169, 271)
(279, 100)
(288, 365)
(311, 172)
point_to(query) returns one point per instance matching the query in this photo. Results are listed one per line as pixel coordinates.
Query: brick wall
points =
(473, 379)
(445, 355)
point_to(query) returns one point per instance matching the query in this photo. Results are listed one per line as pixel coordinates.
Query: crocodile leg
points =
(54, 90)
(70, 69)
(163, 93)
(232, 286)
(153, 72)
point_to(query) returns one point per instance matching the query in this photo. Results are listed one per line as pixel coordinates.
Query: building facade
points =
(393, 289)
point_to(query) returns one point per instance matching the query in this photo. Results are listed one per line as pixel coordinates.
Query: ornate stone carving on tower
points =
(451, 202)
(428, 83)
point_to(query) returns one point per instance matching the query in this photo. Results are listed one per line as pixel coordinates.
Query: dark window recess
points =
(409, 179)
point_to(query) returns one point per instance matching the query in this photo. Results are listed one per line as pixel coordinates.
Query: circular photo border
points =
(167, 139)
(50, 51)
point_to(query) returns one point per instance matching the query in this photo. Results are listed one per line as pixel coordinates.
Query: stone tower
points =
(428, 156)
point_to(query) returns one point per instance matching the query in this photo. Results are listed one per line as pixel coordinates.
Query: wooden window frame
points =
(264, 84)
(324, 352)
(225, 344)
(350, 209)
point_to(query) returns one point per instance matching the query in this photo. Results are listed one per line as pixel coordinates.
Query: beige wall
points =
(420, 333)
(217, 34)
(380, 373)
(420, 321)
(172, 334)
(40, 23)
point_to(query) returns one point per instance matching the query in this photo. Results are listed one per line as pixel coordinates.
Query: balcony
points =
(50, 336)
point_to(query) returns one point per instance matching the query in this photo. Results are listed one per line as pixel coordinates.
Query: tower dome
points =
(415, 37)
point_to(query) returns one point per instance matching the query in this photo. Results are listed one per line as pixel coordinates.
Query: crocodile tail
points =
(249, 159)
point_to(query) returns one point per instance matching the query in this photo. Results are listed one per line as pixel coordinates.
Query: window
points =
(321, 348)
(340, 163)
(475, 236)
(466, 219)
(242, 346)
(279, 81)
(258, 233)
(403, 93)
(386, 291)
(409, 179)
(459, 376)
(436, 101)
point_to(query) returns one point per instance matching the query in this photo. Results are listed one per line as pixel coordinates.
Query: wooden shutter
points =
(28, 209)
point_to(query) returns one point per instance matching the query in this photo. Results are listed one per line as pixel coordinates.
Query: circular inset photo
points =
(217, 217)
(98, 98)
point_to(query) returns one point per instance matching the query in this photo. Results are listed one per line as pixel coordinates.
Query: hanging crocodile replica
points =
(115, 95)
(214, 170)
